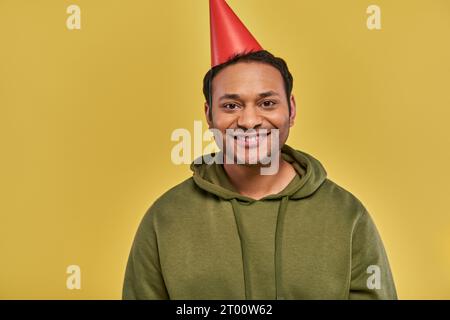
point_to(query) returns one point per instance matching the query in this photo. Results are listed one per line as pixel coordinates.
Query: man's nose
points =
(249, 118)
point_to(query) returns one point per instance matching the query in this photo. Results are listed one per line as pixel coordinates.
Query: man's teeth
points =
(252, 140)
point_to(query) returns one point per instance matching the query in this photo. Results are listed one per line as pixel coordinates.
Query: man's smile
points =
(250, 139)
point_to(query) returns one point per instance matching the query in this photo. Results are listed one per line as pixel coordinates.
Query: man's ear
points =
(293, 111)
(208, 115)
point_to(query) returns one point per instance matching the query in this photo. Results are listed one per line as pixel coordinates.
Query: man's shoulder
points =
(340, 199)
(336, 190)
(179, 198)
(181, 192)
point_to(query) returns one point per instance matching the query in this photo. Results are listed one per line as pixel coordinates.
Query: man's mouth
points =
(251, 140)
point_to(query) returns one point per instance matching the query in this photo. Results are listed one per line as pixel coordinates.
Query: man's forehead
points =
(248, 78)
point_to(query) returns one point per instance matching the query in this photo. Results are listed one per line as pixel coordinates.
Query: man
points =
(230, 232)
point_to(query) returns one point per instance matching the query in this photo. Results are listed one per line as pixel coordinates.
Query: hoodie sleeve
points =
(371, 277)
(143, 277)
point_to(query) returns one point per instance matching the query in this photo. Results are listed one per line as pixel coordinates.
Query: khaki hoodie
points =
(203, 240)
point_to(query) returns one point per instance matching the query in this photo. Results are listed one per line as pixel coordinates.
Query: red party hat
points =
(229, 36)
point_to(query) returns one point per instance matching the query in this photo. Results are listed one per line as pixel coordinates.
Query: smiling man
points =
(232, 232)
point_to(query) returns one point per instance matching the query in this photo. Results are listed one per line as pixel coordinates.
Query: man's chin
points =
(268, 164)
(253, 161)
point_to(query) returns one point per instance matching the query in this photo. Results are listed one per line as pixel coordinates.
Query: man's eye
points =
(268, 104)
(230, 106)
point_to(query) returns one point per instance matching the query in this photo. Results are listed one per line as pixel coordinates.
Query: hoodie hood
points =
(310, 175)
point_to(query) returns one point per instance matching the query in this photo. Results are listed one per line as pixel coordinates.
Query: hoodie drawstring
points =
(237, 218)
(278, 244)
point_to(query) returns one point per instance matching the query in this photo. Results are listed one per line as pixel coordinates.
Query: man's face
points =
(250, 96)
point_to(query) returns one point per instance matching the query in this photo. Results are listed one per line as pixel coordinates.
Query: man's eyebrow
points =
(235, 96)
(230, 96)
(268, 94)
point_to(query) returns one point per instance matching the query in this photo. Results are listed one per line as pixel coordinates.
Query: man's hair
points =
(262, 56)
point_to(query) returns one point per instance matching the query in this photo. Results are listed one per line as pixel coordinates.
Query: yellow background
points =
(86, 118)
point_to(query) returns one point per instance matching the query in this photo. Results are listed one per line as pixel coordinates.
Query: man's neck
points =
(248, 180)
